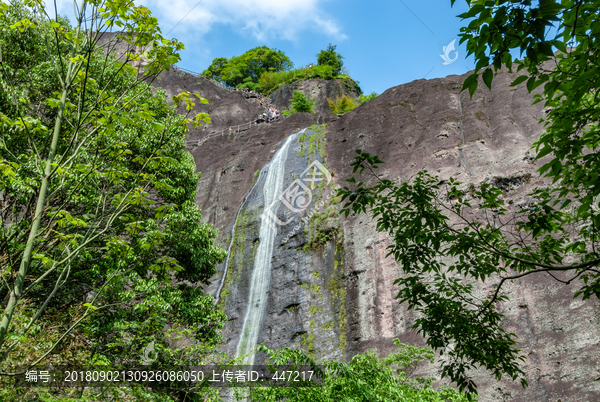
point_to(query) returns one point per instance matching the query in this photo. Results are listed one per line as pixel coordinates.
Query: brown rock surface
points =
(226, 108)
(317, 90)
(422, 124)
(418, 126)
(229, 165)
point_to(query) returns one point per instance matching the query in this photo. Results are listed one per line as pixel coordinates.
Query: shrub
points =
(365, 98)
(365, 378)
(270, 81)
(249, 84)
(342, 104)
(301, 103)
(245, 70)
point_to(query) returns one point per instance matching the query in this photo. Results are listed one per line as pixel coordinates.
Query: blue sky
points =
(384, 44)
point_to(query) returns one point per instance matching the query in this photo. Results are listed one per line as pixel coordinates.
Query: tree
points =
(216, 68)
(443, 249)
(366, 378)
(301, 103)
(244, 71)
(100, 237)
(331, 58)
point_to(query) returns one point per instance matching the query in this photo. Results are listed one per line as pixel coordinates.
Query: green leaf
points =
(519, 80)
(545, 151)
(556, 167)
(13, 336)
(157, 126)
(473, 88)
(488, 76)
(531, 84)
(470, 82)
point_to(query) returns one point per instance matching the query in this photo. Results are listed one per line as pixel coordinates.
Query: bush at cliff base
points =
(366, 378)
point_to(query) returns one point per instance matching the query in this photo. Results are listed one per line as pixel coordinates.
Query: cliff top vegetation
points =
(262, 69)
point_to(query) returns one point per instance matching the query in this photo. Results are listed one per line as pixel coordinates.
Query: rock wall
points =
(306, 297)
(331, 289)
(335, 297)
(427, 125)
(226, 108)
(317, 90)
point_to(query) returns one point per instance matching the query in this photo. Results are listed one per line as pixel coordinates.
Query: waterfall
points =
(261, 273)
(218, 294)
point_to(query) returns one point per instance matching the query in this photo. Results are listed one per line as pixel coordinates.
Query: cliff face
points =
(305, 301)
(331, 288)
(316, 90)
(226, 108)
(427, 125)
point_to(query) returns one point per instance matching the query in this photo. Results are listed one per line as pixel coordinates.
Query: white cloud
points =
(262, 19)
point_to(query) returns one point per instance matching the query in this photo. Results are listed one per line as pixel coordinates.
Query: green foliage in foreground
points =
(130, 393)
(449, 237)
(366, 378)
(102, 249)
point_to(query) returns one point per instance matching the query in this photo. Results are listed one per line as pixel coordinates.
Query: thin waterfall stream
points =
(261, 273)
(218, 294)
